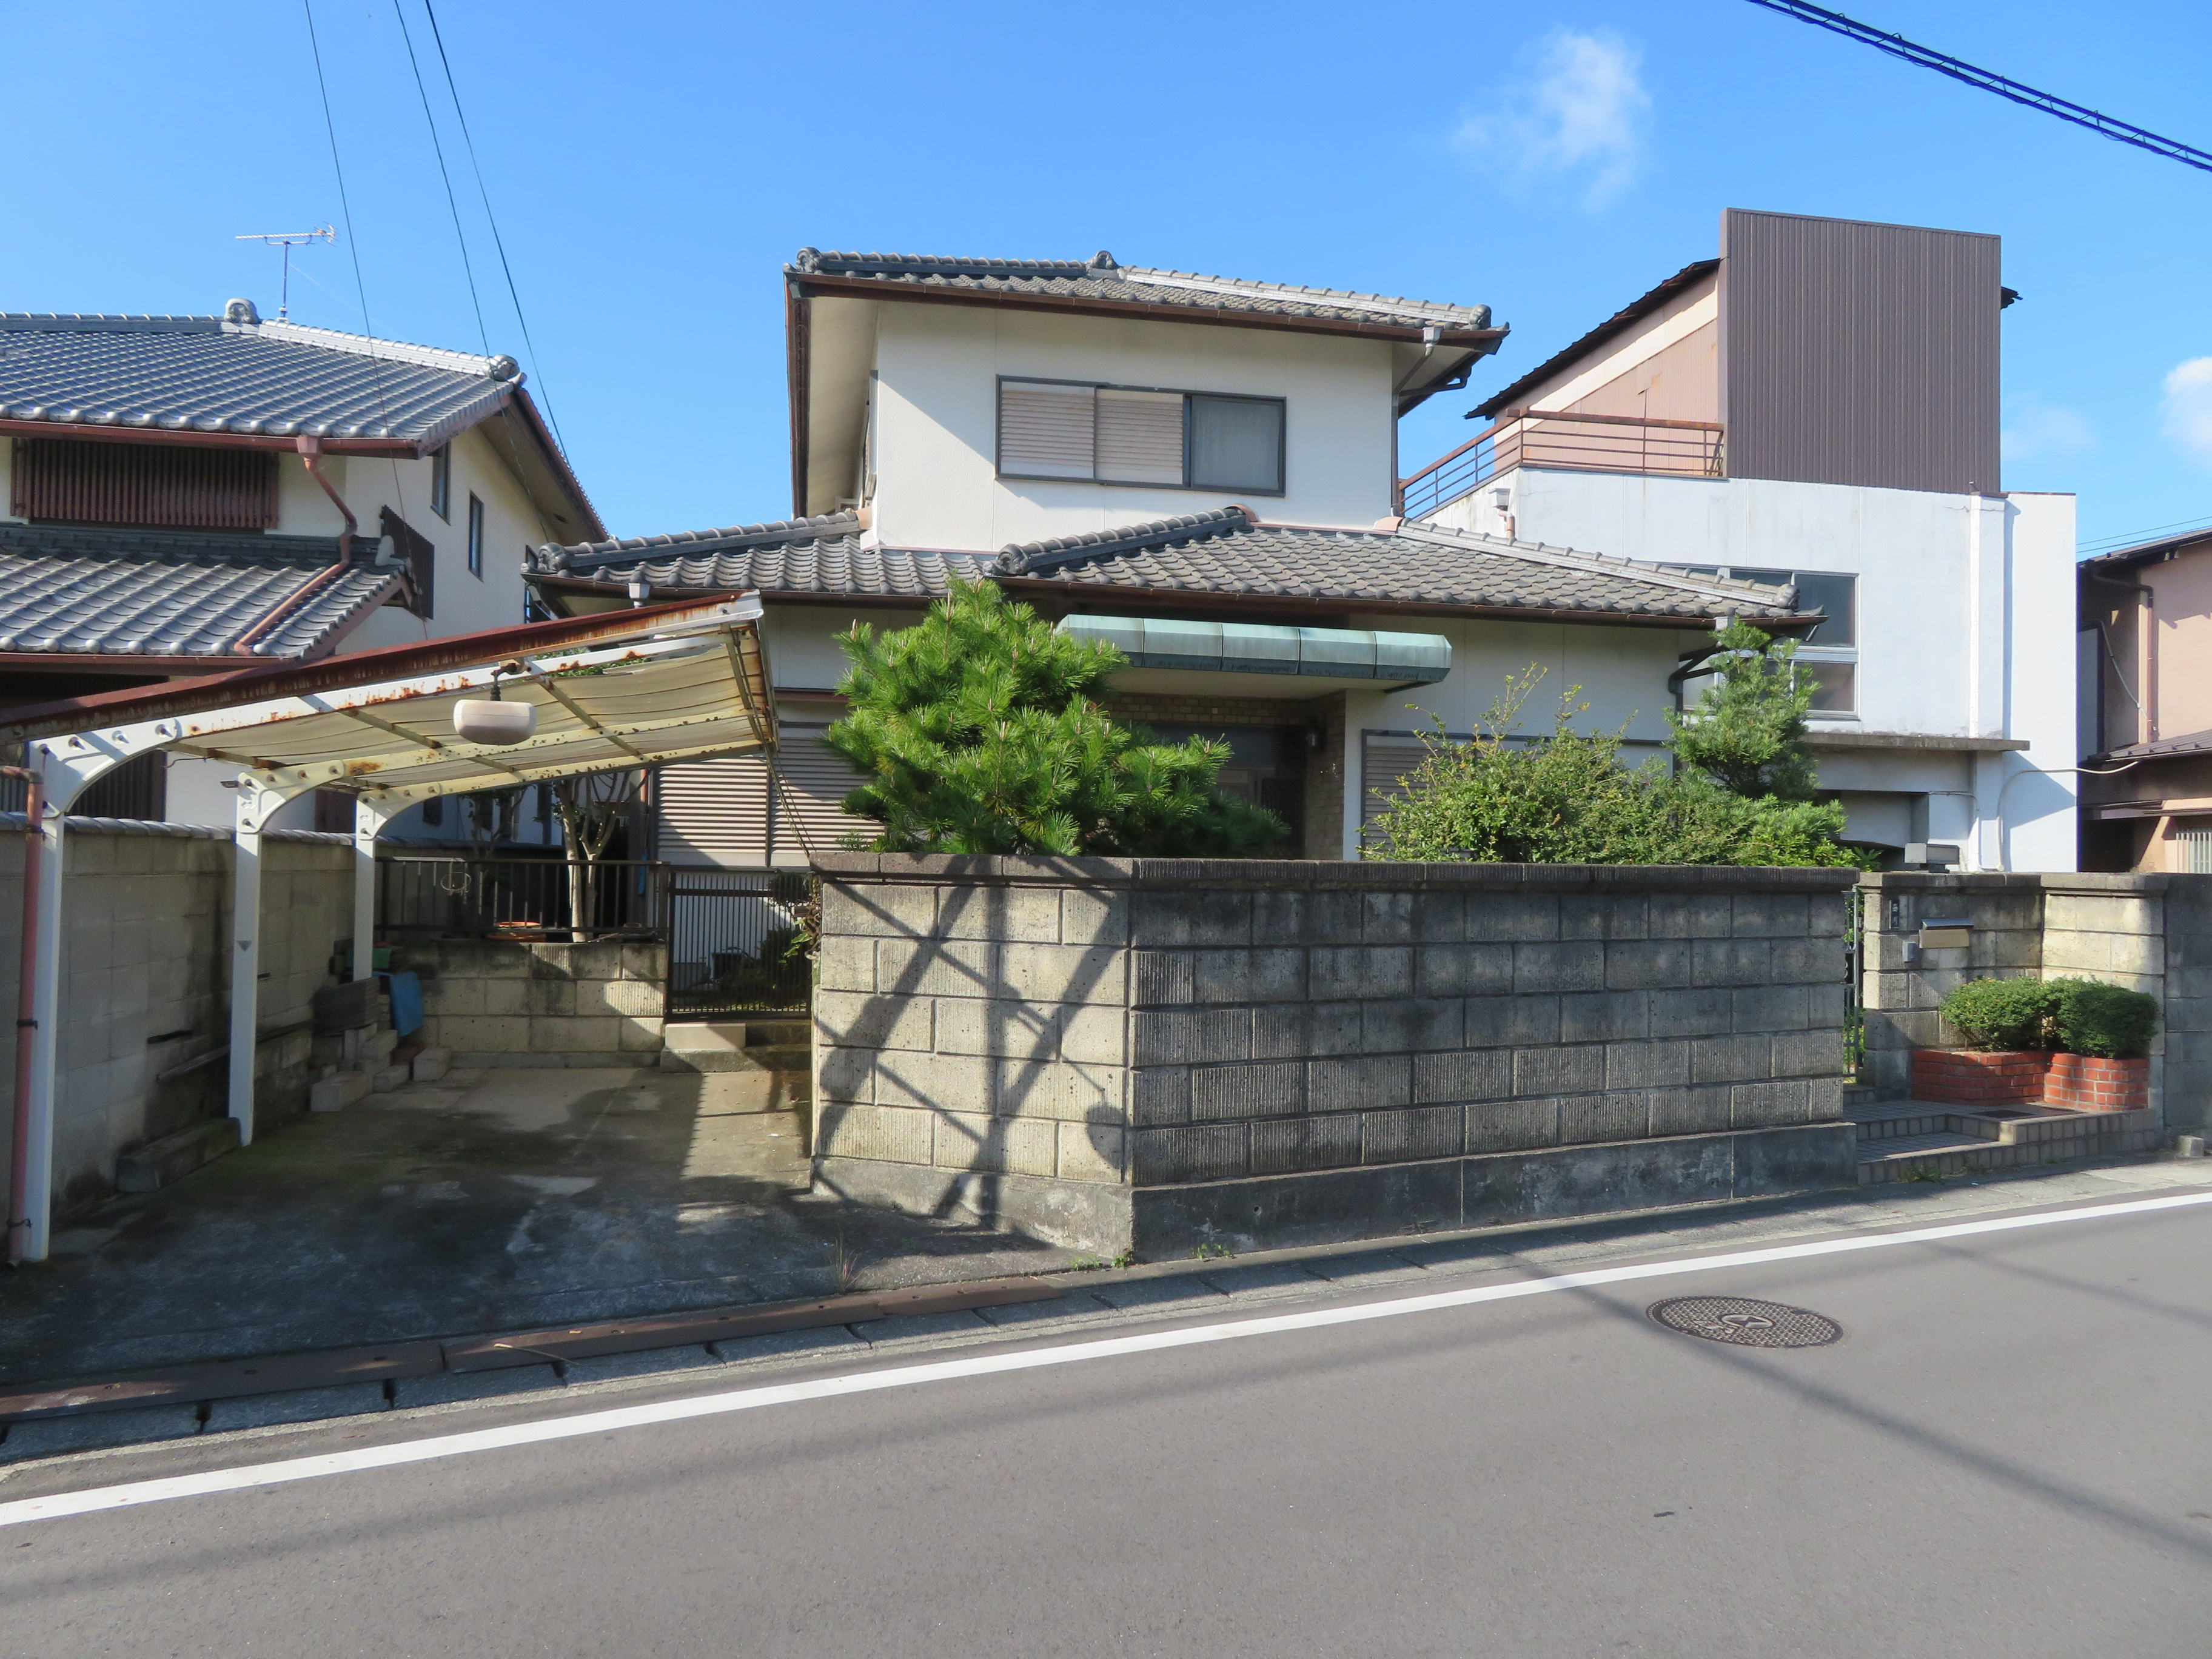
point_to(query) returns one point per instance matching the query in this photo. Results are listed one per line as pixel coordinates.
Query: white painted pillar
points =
(257, 804)
(45, 1035)
(368, 819)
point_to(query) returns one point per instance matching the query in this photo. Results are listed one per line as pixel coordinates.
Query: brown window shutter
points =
(1047, 431)
(151, 486)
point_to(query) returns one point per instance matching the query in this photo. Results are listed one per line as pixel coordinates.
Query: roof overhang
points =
(1265, 660)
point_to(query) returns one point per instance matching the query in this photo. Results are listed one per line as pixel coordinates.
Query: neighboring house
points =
(2146, 706)
(1817, 407)
(178, 491)
(1200, 468)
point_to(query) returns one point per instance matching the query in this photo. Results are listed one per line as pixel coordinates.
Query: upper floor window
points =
(1828, 653)
(475, 536)
(152, 486)
(1135, 436)
(442, 481)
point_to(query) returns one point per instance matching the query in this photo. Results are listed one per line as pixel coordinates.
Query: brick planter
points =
(2088, 1084)
(1981, 1077)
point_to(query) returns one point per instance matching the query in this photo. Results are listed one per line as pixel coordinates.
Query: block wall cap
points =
(1369, 875)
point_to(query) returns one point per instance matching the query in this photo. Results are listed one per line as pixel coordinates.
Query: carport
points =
(606, 693)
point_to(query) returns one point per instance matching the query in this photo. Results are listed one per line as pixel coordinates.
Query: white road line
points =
(899, 1376)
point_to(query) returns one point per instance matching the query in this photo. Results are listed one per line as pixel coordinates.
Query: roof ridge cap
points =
(1345, 298)
(1018, 558)
(1574, 558)
(500, 368)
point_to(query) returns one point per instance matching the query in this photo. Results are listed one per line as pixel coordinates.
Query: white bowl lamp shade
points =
(482, 720)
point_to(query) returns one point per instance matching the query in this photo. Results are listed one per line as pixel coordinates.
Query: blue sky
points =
(653, 166)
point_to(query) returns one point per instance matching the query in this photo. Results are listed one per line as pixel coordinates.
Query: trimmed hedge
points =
(2073, 1016)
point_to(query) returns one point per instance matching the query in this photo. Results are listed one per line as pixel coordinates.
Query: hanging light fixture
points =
(493, 720)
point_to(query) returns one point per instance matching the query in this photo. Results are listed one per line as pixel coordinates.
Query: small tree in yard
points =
(591, 806)
(980, 731)
(1748, 732)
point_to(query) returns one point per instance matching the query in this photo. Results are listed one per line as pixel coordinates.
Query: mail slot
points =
(1946, 932)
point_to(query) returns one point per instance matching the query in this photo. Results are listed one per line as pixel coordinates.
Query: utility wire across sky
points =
(1988, 81)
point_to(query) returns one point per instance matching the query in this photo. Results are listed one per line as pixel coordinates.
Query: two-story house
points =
(1817, 407)
(1203, 468)
(190, 495)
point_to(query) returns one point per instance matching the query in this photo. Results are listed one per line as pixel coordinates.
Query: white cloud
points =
(2045, 432)
(2189, 407)
(1580, 112)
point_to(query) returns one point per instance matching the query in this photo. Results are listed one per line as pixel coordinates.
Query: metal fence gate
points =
(730, 935)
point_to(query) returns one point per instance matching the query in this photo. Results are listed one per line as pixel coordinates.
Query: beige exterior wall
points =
(1667, 367)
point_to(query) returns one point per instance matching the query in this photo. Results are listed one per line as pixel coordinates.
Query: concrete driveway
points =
(489, 1200)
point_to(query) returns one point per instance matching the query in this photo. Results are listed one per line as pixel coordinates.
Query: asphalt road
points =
(2006, 1455)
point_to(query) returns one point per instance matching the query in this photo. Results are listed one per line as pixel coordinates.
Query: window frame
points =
(476, 535)
(441, 480)
(1282, 436)
(1846, 656)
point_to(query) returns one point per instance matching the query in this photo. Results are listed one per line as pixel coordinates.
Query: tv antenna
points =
(289, 240)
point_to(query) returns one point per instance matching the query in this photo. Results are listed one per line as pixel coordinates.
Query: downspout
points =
(19, 1184)
(311, 450)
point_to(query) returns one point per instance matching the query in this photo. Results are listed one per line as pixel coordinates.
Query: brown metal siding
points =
(1859, 354)
(154, 486)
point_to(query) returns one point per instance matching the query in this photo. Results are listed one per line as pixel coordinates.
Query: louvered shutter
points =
(715, 811)
(1140, 437)
(1047, 431)
(817, 778)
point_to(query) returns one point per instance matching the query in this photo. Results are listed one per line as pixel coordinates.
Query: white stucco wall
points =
(936, 421)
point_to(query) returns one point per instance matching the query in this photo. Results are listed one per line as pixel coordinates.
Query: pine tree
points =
(980, 731)
(1748, 732)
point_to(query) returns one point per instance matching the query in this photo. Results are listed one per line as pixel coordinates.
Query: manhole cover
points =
(1750, 1324)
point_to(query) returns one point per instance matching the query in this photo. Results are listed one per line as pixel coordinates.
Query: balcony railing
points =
(1568, 443)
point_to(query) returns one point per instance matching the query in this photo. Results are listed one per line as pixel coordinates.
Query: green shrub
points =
(2109, 1021)
(2003, 1014)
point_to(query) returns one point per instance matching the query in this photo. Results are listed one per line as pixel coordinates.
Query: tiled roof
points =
(173, 593)
(1231, 552)
(240, 375)
(2189, 743)
(821, 555)
(1101, 278)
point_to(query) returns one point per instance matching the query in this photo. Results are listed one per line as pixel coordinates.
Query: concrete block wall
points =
(145, 980)
(515, 1002)
(1156, 1052)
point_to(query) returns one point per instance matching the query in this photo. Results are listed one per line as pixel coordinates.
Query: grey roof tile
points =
(1230, 551)
(246, 378)
(820, 554)
(1101, 278)
(142, 592)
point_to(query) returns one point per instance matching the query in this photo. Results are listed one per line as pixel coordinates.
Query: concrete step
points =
(779, 1033)
(1905, 1147)
(172, 1157)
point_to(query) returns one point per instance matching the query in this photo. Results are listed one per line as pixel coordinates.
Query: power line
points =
(345, 205)
(1988, 81)
(2107, 543)
(497, 241)
(399, 11)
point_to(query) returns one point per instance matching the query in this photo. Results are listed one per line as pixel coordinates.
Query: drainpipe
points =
(311, 450)
(19, 1184)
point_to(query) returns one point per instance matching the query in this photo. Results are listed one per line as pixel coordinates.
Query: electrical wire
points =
(452, 206)
(497, 241)
(2050, 103)
(2112, 543)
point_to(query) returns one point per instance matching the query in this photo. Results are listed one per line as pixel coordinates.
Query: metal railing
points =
(447, 896)
(1568, 443)
(730, 940)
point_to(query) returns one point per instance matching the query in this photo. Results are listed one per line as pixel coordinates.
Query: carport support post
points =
(258, 802)
(368, 819)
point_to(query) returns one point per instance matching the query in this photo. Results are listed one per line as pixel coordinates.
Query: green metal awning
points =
(1323, 659)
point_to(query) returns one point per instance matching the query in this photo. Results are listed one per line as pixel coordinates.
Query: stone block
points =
(1690, 916)
(1030, 914)
(1604, 916)
(877, 911)
(602, 1033)
(1005, 1027)
(1349, 971)
(339, 1090)
(847, 964)
(1282, 1145)
(1160, 1037)
(1462, 971)
(1300, 916)
(1770, 1008)
(1160, 1097)
(1166, 979)
(639, 1036)
(1440, 918)
(1574, 965)
(1691, 1111)
(998, 1146)
(430, 1065)
(1511, 918)
(1513, 1021)
(2101, 913)
(1604, 1015)
(1647, 965)
(1591, 1180)
(1220, 1092)
(1212, 1151)
(388, 1078)
(1806, 962)
(295, 1406)
(1164, 920)
(1359, 1084)
(1387, 917)
(870, 1021)
(1064, 973)
(1057, 1089)
(1808, 1053)
(1094, 1035)
(1625, 1116)
(1305, 1028)
(889, 1134)
(1559, 1071)
(629, 999)
(1656, 1064)
(952, 1082)
(1768, 915)
(1093, 916)
(449, 997)
(955, 967)
(158, 1163)
(1090, 1152)
(1731, 1058)
(1824, 1005)
(1476, 1074)
(1768, 1105)
(1411, 1132)
(1427, 1023)
(1823, 1099)
(1506, 1126)
(1816, 1158)
(1731, 962)
(1270, 974)
(842, 1075)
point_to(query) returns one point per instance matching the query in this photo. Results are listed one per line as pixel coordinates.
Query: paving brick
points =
(1577, 965)
(296, 1405)
(1555, 1071)
(1470, 1075)
(1264, 1090)
(1359, 1084)
(1323, 1141)
(1625, 1116)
